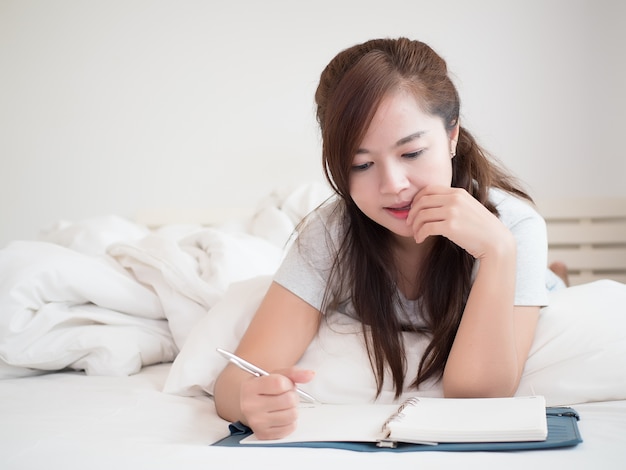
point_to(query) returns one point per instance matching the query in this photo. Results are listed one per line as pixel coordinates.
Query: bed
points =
(108, 329)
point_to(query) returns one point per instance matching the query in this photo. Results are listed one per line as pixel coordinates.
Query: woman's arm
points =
(277, 337)
(494, 337)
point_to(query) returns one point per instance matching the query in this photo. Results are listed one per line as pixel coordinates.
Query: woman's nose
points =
(393, 178)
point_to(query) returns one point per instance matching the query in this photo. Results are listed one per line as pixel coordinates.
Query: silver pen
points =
(257, 371)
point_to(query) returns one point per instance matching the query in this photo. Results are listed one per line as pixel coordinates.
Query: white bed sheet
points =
(68, 420)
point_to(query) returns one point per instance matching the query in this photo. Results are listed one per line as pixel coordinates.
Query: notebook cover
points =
(562, 432)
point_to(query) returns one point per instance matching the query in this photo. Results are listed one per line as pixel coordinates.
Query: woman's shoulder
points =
(512, 205)
(512, 209)
(327, 218)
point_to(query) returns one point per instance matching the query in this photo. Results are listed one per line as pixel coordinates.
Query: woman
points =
(426, 234)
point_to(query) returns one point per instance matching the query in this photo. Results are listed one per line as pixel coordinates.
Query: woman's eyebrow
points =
(402, 141)
(410, 138)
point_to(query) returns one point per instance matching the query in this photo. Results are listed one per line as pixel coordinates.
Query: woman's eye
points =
(412, 155)
(361, 167)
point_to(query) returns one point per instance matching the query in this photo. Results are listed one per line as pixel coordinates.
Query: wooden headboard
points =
(588, 235)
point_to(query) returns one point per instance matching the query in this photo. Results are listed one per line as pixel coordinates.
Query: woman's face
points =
(404, 150)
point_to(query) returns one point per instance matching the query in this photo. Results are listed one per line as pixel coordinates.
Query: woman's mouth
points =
(400, 211)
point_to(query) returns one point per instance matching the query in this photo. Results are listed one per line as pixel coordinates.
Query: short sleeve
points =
(529, 230)
(306, 268)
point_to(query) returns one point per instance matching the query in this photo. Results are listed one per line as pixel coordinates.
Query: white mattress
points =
(68, 420)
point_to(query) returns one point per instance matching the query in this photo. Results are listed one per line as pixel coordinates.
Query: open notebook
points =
(421, 421)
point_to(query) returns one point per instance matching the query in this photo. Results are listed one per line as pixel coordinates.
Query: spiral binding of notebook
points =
(398, 415)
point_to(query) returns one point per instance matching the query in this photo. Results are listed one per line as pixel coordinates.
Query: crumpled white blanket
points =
(108, 296)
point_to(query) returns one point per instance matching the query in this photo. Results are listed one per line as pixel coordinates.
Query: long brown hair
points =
(350, 89)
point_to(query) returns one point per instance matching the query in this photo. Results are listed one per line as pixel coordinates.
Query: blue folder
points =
(562, 432)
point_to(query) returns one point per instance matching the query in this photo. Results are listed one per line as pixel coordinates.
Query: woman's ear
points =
(454, 138)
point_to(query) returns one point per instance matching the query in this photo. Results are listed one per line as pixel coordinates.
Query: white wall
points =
(115, 106)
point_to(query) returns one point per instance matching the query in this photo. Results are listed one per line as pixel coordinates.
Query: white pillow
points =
(579, 351)
(198, 364)
(578, 355)
(337, 352)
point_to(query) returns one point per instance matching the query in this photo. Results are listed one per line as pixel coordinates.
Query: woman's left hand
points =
(456, 215)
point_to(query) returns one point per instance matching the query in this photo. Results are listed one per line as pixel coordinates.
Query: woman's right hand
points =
(269, 403)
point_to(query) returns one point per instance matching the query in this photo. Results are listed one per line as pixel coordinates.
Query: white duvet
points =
(108, 297)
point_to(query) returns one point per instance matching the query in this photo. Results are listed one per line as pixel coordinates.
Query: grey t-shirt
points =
(306, 268)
